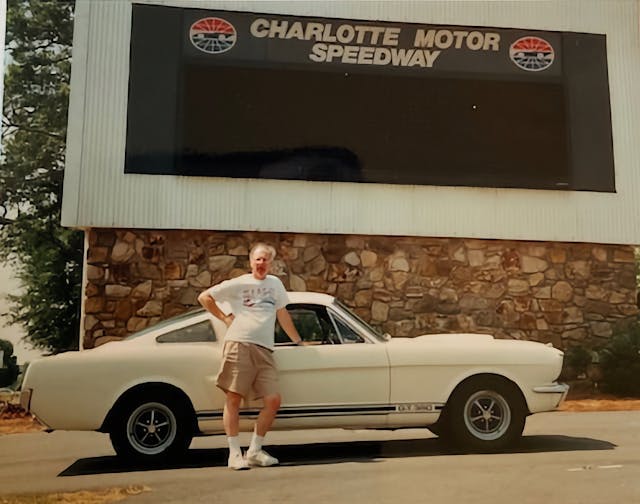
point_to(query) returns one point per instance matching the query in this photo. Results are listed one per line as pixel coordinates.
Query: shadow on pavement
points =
(332, 453)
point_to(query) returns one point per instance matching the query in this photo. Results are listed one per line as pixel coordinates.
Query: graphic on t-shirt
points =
(258, 297)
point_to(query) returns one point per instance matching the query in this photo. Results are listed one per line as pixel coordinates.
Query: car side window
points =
(313, 325)
(347, 334)
(307, 324)
(196, 333)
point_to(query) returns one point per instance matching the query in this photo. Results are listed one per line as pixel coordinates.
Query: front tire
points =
(486, 414)
(151, 429)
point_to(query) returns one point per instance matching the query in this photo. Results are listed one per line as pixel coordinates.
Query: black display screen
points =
(301, 124)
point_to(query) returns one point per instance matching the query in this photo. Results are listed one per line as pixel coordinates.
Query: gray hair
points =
(263, 246)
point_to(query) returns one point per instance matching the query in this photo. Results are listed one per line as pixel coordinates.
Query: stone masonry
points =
(563, 293)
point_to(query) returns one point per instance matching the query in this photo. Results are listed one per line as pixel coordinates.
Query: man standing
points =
(247, 366)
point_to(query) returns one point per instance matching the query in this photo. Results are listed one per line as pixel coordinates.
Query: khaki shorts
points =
(247, 367)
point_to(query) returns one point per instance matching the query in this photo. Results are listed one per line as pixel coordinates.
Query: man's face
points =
(260, 264)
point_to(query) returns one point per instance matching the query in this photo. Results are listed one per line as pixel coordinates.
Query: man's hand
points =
(210, 305)
(228, 319)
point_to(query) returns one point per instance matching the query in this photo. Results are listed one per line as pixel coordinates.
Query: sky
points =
(22, 350)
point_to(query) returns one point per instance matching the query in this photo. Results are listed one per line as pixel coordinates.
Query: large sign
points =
(253, 38)
(266, 96)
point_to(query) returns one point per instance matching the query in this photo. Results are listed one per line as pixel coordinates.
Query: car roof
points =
(311, 297)
(297, 297)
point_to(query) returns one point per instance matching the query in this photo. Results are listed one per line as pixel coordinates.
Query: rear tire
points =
(486, 414)
(151, 428)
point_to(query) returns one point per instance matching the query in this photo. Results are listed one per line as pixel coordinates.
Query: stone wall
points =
(564, 293)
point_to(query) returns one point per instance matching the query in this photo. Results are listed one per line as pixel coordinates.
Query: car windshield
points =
(369, 328)
(164, 323)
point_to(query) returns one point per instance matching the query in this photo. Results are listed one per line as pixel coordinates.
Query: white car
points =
(155, 390)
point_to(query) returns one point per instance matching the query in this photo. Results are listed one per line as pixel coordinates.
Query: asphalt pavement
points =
(566, 458)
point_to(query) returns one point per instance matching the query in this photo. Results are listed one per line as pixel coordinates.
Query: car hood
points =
(474, 350)
(469, 340)
(461, 338)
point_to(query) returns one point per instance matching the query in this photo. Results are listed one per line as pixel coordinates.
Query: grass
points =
(102, 496)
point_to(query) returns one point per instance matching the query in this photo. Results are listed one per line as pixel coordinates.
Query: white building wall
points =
(99, 194)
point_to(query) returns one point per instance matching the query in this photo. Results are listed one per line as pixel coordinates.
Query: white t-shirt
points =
(254, 304)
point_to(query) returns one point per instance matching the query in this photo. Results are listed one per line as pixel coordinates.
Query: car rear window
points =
(165, 323)
(196, 333)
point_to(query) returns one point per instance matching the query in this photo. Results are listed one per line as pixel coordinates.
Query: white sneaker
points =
(260, 458)
(237, 462)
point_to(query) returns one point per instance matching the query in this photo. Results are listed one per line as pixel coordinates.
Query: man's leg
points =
(256, 455)
(231, 413)
(231, 421)
(267, 414)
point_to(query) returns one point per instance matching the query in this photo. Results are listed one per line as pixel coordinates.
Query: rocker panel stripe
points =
(323, 411)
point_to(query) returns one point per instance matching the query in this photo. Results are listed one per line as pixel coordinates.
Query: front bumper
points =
(25, 399)
(558, 391)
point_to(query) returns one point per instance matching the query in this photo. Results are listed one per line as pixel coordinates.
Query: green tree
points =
(46, 258)
(9, 369)
(620, 362)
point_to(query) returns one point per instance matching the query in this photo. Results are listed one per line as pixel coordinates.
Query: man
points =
(256, 300)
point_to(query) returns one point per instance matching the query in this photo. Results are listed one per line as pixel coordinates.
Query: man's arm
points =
(207, 301)
(287, 324)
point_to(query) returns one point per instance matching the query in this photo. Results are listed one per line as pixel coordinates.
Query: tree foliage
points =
(620, 361)
(47, 258)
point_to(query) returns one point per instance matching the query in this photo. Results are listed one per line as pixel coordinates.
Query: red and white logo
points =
(532, 53)
(212, 35)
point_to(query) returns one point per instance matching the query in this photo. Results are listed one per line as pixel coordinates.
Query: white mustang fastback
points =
(155, 390)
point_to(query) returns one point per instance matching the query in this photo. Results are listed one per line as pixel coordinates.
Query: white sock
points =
(256, 443)
(234, 445)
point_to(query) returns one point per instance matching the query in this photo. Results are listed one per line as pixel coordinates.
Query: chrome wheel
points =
(487, 415)
(151, 428)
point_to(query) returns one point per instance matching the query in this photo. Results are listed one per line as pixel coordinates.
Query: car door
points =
(340, 378)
